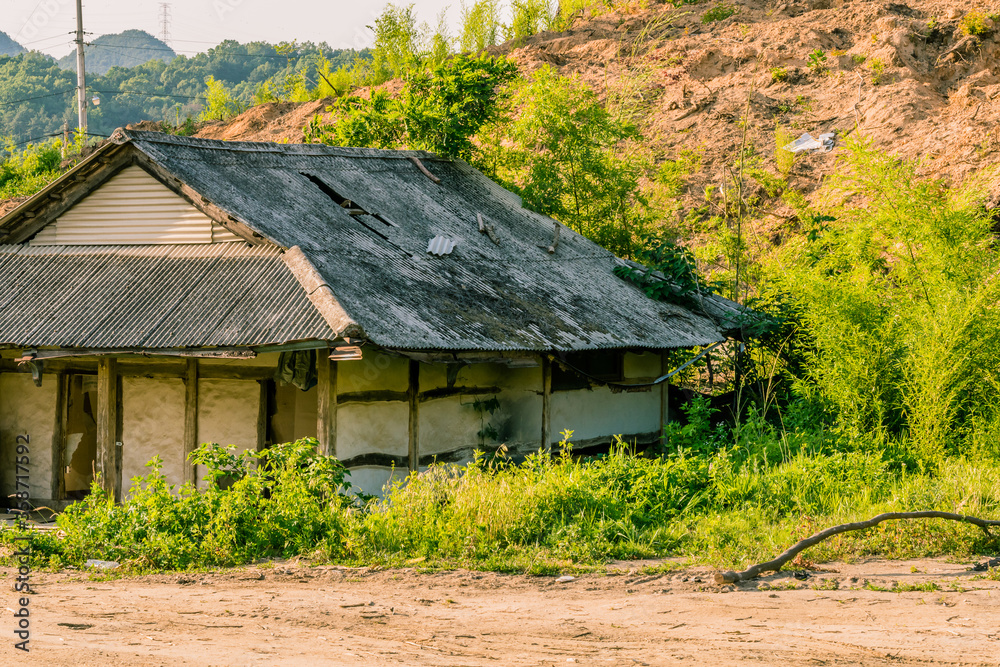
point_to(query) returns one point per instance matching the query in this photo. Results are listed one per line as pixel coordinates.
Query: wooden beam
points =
(664, 393)
(107, 420)
(414, 426)
(190, 418)
(326, 403)
(58, 438)
(546, 403)
(151, 368)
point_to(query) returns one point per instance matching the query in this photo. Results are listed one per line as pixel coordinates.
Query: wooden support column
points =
(119, 440)
(413, 396)
(262, 417)
(190, 418)
(546, 403)
(58, 436)
(107, 420)
(664, 392)
(326, 403)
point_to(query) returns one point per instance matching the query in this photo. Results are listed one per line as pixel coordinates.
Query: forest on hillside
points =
(37, 95)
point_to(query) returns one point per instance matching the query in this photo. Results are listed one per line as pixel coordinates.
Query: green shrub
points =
(817, 60)
(719, 12)
(282, 502)
(778, 74)
(27, 171)
(975, 24)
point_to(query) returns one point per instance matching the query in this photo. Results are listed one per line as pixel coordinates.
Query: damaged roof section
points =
(366, 221)
(152, 297)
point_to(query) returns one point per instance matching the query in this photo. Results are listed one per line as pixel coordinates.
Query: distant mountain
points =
(8, 47)
(126, 49)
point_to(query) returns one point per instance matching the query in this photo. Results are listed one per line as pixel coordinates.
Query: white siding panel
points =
(132, 208)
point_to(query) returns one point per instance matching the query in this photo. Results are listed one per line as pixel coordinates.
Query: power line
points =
(37, 97)
(175, 51)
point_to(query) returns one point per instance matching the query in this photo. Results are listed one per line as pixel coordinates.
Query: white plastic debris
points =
(102, 564)
(440, 245)
(565, 580)
(824, 143)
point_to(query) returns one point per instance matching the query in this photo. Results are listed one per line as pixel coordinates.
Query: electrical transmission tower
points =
(165, 22)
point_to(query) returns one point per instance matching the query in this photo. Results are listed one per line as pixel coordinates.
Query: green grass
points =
(724, 505)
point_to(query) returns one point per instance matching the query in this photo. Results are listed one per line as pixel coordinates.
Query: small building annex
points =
(398, 307)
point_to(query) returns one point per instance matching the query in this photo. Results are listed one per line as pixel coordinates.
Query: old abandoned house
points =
(398, 307)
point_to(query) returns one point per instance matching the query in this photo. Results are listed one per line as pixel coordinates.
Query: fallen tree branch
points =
(776, 564)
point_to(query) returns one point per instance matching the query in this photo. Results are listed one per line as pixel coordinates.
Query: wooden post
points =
(119, 430)
(413, 396)
(58, 436)
(664, 393)
(107, 420)
(546, 403)
(262, 417)
(190, 418)
(326, 403)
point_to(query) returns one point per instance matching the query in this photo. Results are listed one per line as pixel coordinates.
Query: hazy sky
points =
(196, 25)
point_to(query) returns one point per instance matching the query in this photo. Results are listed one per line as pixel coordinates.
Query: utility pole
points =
(165, 22)
(81, 74)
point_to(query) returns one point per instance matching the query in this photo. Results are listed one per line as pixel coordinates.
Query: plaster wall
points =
(27, 410)
(369, 428)
(599, 413)
(646, 365)
(227, 414)
(152, 424)
(374, 372)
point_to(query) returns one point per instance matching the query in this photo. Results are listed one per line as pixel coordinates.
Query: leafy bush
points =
(817, 60)
(719, 12)
(282, 502)
(27, 171)
(975, 24)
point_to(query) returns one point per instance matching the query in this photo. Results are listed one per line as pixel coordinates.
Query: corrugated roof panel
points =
(152, 297)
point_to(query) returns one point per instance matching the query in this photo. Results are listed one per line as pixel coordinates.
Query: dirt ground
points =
(290, 614)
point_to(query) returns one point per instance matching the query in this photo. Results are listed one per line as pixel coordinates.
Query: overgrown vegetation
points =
(24, 172)
(704, 496)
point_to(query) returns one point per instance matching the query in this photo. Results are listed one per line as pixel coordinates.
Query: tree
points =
(397, 43)
(563, 153)
(480, 25)
(219, 102)
(439, 109)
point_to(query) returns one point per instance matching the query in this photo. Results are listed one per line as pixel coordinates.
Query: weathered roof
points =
(505, 295)
(153, 297)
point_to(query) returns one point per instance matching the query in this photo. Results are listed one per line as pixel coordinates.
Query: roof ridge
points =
(122, 136)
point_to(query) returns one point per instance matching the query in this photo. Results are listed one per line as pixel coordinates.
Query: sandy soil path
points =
(298, 615)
